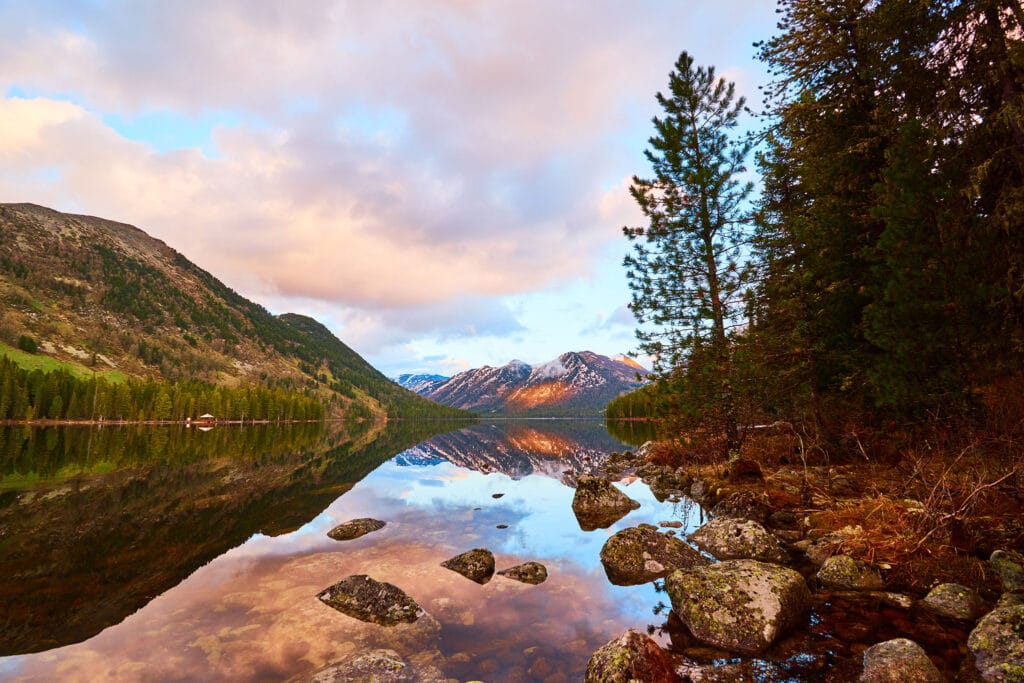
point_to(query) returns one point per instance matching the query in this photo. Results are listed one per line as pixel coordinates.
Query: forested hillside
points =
(104, 301)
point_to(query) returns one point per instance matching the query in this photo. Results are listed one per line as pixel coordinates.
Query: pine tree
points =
(684, 268)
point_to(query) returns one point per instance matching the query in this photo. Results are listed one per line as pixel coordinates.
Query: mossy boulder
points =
(597, 504)
(366, 599)
(743, 505)
(899, 661)
(476, 565)
(953, 601)
(630, 658)
(739, 539)
(739, 605)
(847, 573)
(998, 644)
(354, 528)
(1009, 567)
(529, 572)
(378, 666)
(641, 554)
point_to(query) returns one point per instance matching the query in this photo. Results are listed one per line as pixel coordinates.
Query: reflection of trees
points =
(106, 519)
(633, 432)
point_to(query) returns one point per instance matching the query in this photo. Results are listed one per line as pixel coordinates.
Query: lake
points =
(165, 553)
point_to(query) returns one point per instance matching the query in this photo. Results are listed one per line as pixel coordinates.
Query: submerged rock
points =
(476, 565)
(739, 605)
(899, 661)
(739, 539)
(845, 572)
(378, 666)
(998, 644)
(597, 504)
(641, 554)
(354, 528)
(953, 601)
(1009, 566)
(366, 599)
(529, 572)
(633, 656)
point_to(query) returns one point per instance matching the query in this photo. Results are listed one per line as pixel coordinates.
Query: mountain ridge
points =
(574, 383)
(87, 290)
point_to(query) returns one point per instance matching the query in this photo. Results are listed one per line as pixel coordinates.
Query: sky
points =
(443, 183)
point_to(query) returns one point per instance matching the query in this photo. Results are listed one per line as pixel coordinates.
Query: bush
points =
(27, 344)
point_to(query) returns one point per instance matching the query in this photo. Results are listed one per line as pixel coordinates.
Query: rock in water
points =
(354, 528)
(633, 656)
(476, 565)
(1009, 566)
(739, 539)
(998, 644)
(739, 605)
(364, 598)
(847, 573)
(953, 601)
(641, 554)
(899, 661)
(378, 666)
(598, 504)
(529, 572)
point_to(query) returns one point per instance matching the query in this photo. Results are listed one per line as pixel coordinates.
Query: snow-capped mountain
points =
(421, 384)
(575, 383)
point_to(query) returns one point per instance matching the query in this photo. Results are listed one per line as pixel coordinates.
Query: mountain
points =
(575, 383)
(419, 383)
(103, 298)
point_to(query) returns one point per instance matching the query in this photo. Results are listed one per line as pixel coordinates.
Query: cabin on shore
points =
(205, 419)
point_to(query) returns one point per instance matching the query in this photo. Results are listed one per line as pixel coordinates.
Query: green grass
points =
(40, 361)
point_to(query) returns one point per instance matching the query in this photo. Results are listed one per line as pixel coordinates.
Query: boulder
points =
(378, 666)
(633, 656)
(846, 573)
(598, 504)
(377, 602)
(739, 605)
(998, 644)
(899, 661)
(1009, 567)
(641, 554)
(738, 539)
(742, 469)
(953, 601)
(742, 505)
(529, 572)
(476, 565)
(354, 528)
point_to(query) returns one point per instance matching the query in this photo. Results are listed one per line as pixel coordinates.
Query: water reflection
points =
(252, 613)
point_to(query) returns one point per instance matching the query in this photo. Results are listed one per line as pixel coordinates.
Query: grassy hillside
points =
(98, 295)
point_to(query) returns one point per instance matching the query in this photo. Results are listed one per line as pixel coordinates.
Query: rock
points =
(743, 505)
(476, 565)
(1010, 600)
(845, 572)
(640, 554)
(528, 572)
(897, 600)
(782, 519)
(633, 656)
(738, 539)
(354, 528)
(598, 504)
(998, 644)
(820, 549)
(1009, 566)
(497, 495)
(699, 491)
(670, 525)
(739, 605)
(742, 469)
(953, 601)
(899, 661)
(363, 598)
(377, 666)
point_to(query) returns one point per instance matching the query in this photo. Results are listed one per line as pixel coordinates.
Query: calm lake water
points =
(172, 554)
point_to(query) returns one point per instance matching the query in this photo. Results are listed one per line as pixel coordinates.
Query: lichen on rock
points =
(632, 657)
(597, 504)
(354, 528)
(899, 661)
(641, 554)
(953, 601)
(739, 605)
(845, 572)
(997, 642)
(739, 539)
(364, 598)
(476, 565)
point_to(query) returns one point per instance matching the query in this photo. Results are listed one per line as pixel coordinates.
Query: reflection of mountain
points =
(520, 448)
(144, 508)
